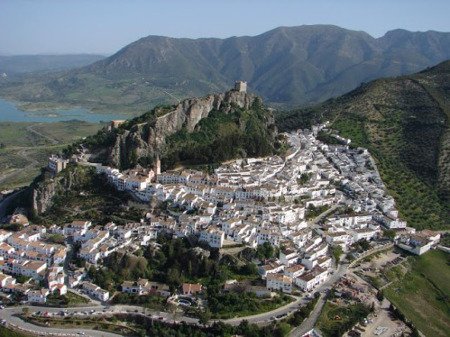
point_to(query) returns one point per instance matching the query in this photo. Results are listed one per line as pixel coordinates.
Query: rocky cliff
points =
(46, 186)
(139, 142)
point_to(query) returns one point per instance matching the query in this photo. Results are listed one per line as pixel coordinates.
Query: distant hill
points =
(287, 66)
(404, 122)
(20, 64)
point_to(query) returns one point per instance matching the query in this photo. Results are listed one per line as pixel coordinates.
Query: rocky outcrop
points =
(145, 140)
(42, 196)
(46, 186)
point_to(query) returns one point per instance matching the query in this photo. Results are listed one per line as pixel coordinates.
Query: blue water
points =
(10, 113)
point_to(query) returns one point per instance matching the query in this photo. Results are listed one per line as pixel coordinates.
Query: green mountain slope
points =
(286, 66)
(404, 122)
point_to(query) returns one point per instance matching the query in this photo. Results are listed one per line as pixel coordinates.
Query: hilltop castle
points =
(240, 86)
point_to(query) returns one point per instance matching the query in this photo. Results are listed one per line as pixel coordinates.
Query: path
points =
(23, 152)
(16, 323)
(32, 163)
(324, 214)
(311, 320)
(50, 139)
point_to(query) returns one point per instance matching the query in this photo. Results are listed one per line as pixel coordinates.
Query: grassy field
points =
(422, 295)
(4, 332)
(334, 319)
(25, 147)
(230, 306)
(94, 323)
(76, 299)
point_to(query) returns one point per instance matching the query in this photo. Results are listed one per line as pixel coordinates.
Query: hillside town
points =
(317, 199)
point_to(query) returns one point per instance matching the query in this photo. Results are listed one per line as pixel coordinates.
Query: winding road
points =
(9, 314)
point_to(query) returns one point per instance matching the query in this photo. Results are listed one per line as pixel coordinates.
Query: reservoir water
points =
(9, 112)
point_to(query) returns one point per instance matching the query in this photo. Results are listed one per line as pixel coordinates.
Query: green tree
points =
(282, 329)
(337, 253)
(389, 234)
(204, 317)
(380, 296)
(265, 251)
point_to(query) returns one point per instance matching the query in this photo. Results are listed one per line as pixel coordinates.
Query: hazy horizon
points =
(51, 27)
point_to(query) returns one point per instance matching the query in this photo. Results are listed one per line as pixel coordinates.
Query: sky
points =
(105, 26)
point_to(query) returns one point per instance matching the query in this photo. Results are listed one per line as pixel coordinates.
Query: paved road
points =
(8, 315)
(267, 316)
(17, 323)
(324, 214)
(310, 322)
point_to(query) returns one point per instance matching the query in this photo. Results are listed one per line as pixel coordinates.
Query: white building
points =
(279, 282)
(79, 227)
(311, 279)
(95, 291)
(294, 271)
(214, 237)
(38, 296)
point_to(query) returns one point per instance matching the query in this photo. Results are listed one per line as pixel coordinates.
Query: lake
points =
(9, 112)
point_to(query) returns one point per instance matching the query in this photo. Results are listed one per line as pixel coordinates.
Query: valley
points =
(25, 147)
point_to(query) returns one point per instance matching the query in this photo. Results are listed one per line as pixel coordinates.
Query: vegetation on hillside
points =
(177, 262)
(89, 196)
(404, 124)
(422, 294)
(174, 263)
(222, 136)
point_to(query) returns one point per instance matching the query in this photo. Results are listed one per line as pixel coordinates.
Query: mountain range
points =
(287, 66)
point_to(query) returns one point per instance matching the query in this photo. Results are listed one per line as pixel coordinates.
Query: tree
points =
(389, 234)
(380, 296)
(337, 252)
(304, 178)
(249, 269)
(265, 251)
(204, 317)
(282, 329)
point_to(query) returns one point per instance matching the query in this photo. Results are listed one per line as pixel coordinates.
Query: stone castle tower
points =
(240, 86)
